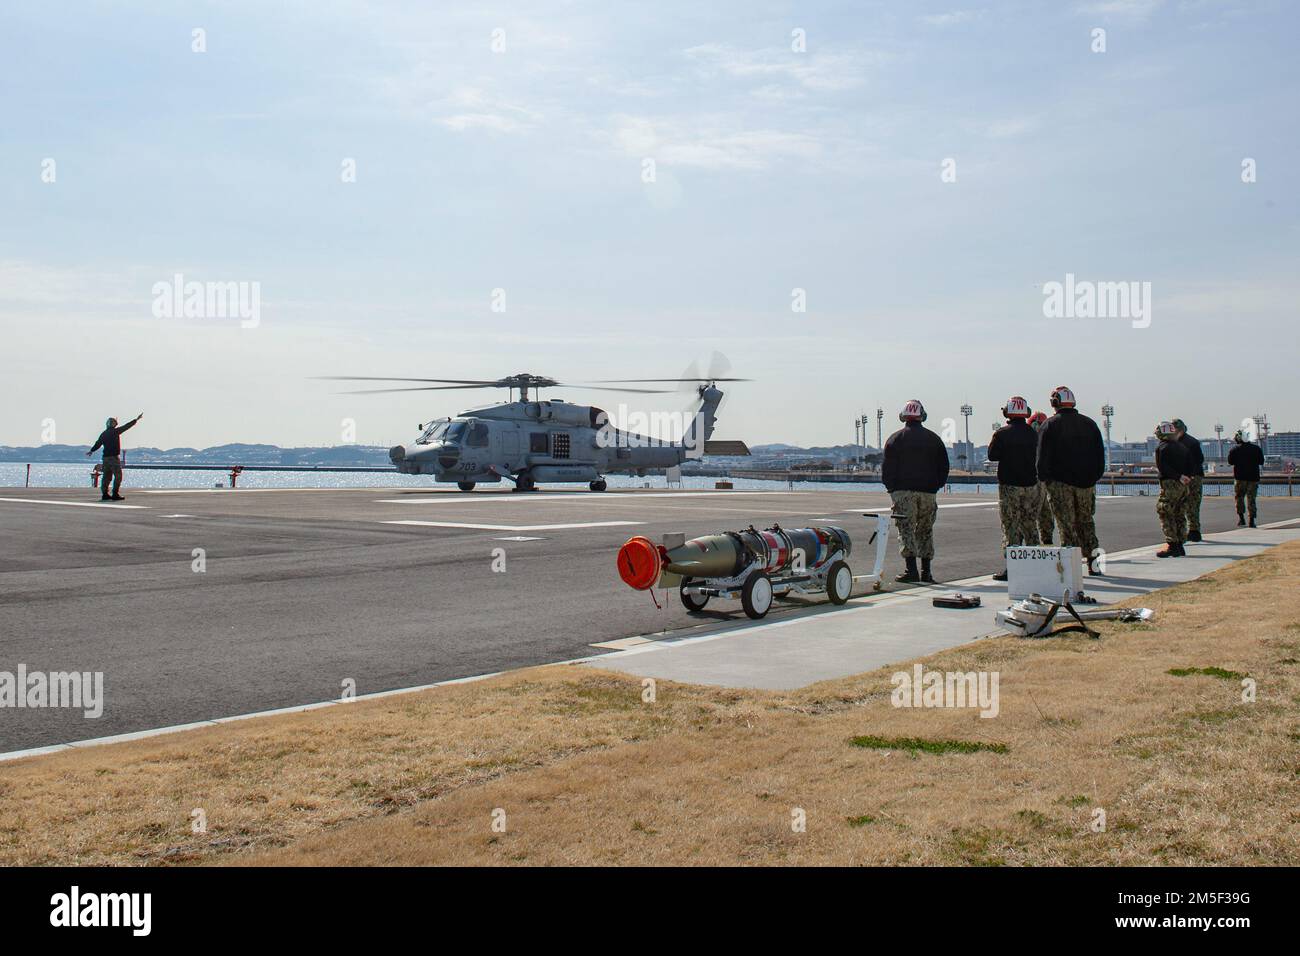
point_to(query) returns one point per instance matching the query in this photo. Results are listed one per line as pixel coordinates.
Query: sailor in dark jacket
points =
(1196, 471)
(110, 439)
(1174, 464)
(1072, 459)
(1014, 447)
(1246, 460)
(915, 468)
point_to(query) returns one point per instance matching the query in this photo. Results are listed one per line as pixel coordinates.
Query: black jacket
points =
(1172, 459)
(1014, 447)
(1070, 450)
(1246, 459)
(111, 441)
(915, 460)
(1195, 456)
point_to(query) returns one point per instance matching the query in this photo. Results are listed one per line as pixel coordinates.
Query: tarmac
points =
(302, 593)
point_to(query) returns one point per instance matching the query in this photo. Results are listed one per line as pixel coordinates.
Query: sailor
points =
(1014, 447)
(914, 469)
(111, 441)
(1045, 524)
(1174, 463)
(1196, 470)
(1246, 459)
(1071, 460)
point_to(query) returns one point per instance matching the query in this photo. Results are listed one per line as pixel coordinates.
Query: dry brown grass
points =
(586, 773)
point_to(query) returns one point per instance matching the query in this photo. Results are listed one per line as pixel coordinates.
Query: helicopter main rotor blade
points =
(640, 380)
(601, 388)
(471, 382)
(420, 388)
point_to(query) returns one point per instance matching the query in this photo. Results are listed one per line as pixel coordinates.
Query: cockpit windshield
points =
(433, 433)
(455, 432)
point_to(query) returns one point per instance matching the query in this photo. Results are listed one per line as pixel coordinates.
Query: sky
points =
(855, 203)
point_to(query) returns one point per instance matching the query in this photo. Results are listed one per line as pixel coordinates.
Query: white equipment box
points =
(1050, 572)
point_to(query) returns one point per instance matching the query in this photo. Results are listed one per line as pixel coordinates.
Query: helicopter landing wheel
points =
(756, 595)
(597, 485)
(692, 602)
(465, 485)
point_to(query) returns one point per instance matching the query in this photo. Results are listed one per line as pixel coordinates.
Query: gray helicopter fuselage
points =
(545, 441)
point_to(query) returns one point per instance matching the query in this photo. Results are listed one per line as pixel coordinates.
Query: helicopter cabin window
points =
(478, 435)
(537, 443)
(560, 447)
(455, 432)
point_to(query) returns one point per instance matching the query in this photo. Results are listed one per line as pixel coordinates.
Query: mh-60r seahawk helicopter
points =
(534, 440)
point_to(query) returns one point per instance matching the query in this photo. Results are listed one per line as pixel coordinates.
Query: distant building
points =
(1284, 444)
(965, 455)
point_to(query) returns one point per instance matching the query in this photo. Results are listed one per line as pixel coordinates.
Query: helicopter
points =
(532, 440)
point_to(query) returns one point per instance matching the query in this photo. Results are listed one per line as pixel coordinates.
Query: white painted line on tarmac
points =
(512, 527)
(236, 491)
(116, 506)
(442, 498)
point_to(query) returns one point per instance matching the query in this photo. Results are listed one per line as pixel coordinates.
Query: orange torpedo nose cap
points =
(639, 563)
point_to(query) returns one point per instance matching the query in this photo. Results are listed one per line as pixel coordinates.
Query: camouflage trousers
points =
(917, 509)
(1172, 509)
(1192, 505)
(1045, 526)
(1019, 507)
(1073, 509)
(1245, 493)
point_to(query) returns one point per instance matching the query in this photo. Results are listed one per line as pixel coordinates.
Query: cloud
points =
(422, 93)
(709, 143)
(952, 18)
(479, 110)
(1125, 9)
(822, 72)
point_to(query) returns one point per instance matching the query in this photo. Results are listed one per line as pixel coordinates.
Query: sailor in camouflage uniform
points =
(1072, 459)
(1246, 460)
(1015, 448)
(1174, 464)
(1046, 527)
(1196, 471)
(914, 469)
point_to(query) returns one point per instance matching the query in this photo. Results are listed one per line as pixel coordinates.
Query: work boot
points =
(926, 576)
(1001, 575)
(1241, 521)
(104, 498)
(1193, 536)
(1252, 522)
(1172, 550)
(1094, 571)
(909, 576)
(118, 498)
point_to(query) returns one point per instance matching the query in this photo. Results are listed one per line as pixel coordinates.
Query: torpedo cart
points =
(754, 566)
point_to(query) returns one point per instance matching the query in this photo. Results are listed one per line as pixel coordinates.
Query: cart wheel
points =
(692, 602)
(756, 595)
(839, 582)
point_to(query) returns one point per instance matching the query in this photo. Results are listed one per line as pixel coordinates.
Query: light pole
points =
(967, 412)
(1261, 429)
(880, 417)
(1218, 432)
(1107, 413)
